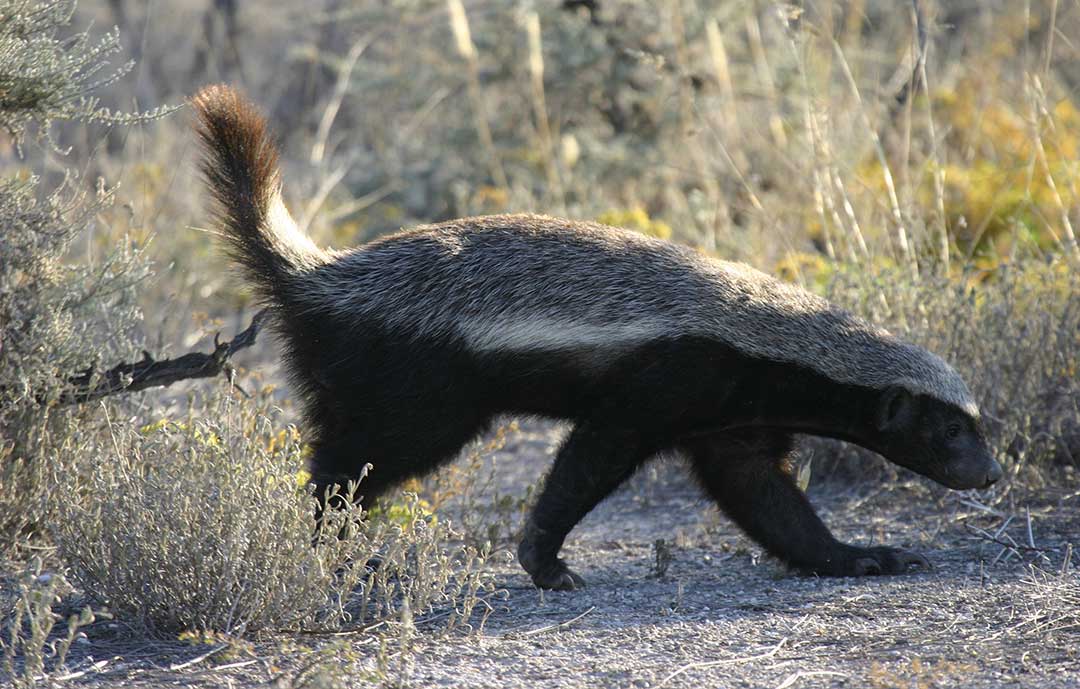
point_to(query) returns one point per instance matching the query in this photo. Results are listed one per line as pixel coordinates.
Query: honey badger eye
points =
(953, 431)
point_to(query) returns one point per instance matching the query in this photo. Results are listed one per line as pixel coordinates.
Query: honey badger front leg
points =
(743, 471)
(592, 462)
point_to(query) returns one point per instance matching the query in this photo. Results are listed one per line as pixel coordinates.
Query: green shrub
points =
(56, 320)
(46, 76)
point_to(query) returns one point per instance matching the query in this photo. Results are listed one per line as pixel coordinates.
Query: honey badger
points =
(405, 348)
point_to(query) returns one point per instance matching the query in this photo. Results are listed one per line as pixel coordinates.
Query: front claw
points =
(560, 578)
(551, 573)
(886, 560)
(547, 570)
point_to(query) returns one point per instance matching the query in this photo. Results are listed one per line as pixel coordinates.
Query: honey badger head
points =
(919, 414)
(937, 439)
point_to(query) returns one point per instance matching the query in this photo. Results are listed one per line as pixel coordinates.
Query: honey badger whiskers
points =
(404, 349)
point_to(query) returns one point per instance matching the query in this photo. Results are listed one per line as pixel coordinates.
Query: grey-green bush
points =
(207, 526)
(56, 319)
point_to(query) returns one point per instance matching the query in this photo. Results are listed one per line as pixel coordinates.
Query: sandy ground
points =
(714, 613)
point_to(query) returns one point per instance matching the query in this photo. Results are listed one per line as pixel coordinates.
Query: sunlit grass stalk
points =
(1050, 38)
(726, 137)
(821, 196)
(890, 186)
(751, 195)
(539, 103)
(936, 158)
(819, 207)
(722, 70)
(810, 123)
(686, 98)
(849, 211)
(1039, 111)
(764, 72)
(459, 23)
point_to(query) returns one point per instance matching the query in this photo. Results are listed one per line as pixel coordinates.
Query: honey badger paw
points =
(881, 560)
(885, 560)
(548, 573)
(557, 577)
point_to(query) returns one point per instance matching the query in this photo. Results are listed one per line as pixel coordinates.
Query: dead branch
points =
(149, 372)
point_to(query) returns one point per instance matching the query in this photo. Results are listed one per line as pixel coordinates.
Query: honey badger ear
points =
(896, 406)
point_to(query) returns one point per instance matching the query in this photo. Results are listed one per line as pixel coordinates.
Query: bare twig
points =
(359, 204)
(981, 507)
(231, 666)
(795, 677)
(328, 183)
(345, 71)
(726, 661)
(1030, 536)
(150, 372)
(198, 659)
(551, 627)
(95, 667)
(1010, 544)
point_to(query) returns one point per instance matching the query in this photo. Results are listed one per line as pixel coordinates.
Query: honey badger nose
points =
(993, 474)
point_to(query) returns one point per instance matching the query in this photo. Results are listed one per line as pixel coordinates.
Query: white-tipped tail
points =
(240, 167)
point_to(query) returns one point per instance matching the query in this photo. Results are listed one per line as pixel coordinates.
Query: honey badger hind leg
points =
(743, 471)
(399, 438)
(592, 462)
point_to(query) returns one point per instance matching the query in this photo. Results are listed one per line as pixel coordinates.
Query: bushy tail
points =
(240, 167)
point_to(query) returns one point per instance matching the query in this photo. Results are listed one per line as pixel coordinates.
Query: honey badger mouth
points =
(967, 473)
(976, 469)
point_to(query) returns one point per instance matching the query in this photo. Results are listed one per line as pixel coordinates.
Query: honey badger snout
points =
(993, 473)
(978, 470)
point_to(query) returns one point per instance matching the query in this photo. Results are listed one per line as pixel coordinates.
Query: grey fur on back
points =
(526, 282)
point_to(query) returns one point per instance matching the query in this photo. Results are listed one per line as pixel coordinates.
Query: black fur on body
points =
(405, 349)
